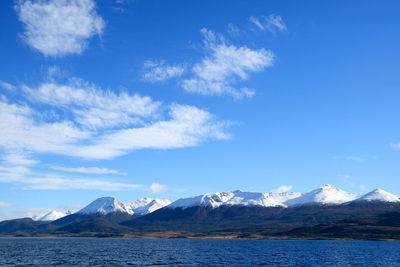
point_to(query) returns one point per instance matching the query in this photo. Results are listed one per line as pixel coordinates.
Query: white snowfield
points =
(52, 216)
(379, 195)
(324, 195)
(147, 205)
(104, 205)
(235, 198)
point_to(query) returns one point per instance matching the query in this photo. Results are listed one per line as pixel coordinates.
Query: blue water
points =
(183, 252)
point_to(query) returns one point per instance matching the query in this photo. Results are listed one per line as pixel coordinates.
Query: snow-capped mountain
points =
(324, 195)
(238, 197)
(147, 205)
(53, 215)
(379, 195)
(105, 205)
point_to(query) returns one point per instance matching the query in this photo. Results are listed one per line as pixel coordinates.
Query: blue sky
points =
(177, 98)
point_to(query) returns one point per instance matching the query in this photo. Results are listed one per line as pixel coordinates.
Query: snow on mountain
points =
(147, 205)
(283, 197)
(104, 205)
(379, 195)
(326, 194)
(52, 216)
(218, 199)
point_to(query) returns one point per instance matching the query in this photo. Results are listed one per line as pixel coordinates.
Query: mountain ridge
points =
(323, 195)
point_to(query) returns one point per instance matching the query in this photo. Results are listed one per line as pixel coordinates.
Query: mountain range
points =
(315, 214)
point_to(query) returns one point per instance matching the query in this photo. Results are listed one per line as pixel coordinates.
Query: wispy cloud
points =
(156, 188)
(361, 158)
(159, 71)
(7, 204)
(87, 170)
(18, 158)
(59, 27)
(395, 146)
(6, 86)
(92, 106)
(187, 126)
(224, 65)
(26, 178)
(283, 189)
(56, 183)
(233, 30)
(125, 122)
(270, 23)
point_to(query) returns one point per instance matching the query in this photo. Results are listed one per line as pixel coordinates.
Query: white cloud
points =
(283, 189)
(56, 183)
(159, 71)
(87, 170)
(187, 127)
(27, 179)
(7, 204)
(20, 131)
(395, 146)
(257, 22)
(270, 23)
(233, 30)
(59, 27)
(18, 158)
(224, 65)
(275, 21)
(6, 86)
(93, 107)
(126, 122)
(157, 188)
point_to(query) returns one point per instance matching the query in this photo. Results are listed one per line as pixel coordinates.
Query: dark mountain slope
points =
(252, 219)
(382, 227)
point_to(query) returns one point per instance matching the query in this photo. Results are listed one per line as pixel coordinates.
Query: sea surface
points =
(190, 252)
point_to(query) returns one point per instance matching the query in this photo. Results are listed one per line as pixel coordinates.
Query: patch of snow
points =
(379, 195)
(218, 199)
(52, 216)
(324, 195)
(104, 205)
(146, 205)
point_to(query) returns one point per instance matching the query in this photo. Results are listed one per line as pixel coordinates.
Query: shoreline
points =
(227, 237)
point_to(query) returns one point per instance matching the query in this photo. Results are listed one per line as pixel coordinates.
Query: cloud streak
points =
(92, 106)
(159, 71)
(271, 23)
(87, 170)
(7, 204)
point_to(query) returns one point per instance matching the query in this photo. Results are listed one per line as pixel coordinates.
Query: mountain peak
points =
(147, 205)
(326, 195)
(232, 198)
(52, 216)
(329, 187)
(104, 205)
(379, 195)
